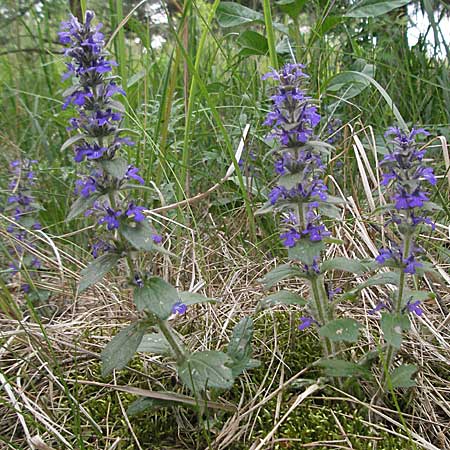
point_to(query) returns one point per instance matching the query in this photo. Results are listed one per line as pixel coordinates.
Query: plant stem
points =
(270, 34)
(322, 310)
(112, 200)
(168, 334)
(390, 353)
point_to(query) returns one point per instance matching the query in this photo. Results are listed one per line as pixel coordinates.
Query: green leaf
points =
(204, 370)
(72, 140)
(291, 180)
(374, 8)
(97, 269)
(156, 296)
(252, 43)
(143, 403)
(381, 279)
(81, 205)
(306, 251)
(115, 167)
(401, 376)
(122, 347)
(280, 273)
(192, 298)
(351, 83)
(240, 347)
(341, 330)
(393, 325)
(282, 298)
(341, 368)
(157, 343)
(230, 14)
(417, 295)
(344, 264)
(331, 211)
(139, 235)
(291, 7)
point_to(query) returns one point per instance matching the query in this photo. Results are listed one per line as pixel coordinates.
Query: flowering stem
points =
(390, 353)
(112, 200)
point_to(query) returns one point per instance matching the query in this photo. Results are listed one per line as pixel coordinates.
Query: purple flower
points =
(377, 308)
(112, 88)
(132, 172)
(91, 152)
(414, 307)
(278, 192)
(306, 322)
(85, 187)
(110, 218)
(395, 254)
(313, 268)
(290, 238)
(138, 281)
(156, 238)
(293, 117)
(135, 212)
(99, 247)
(179, 308)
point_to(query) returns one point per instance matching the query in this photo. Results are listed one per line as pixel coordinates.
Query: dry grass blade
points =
(170, 397)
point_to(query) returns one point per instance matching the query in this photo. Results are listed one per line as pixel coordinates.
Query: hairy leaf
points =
(240, 347)
(204, 370)
(122, 347)
(341, 330)
(156, 296)
(344, 264)
(393, 325)
(97, 269)
(192, 298)
(341, 368)
(374, 8)
(115, 167)
(282, 298)
(157, 343)
(401, 376)
(280, 273)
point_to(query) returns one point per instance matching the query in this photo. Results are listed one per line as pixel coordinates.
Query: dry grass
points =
(49, 369)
